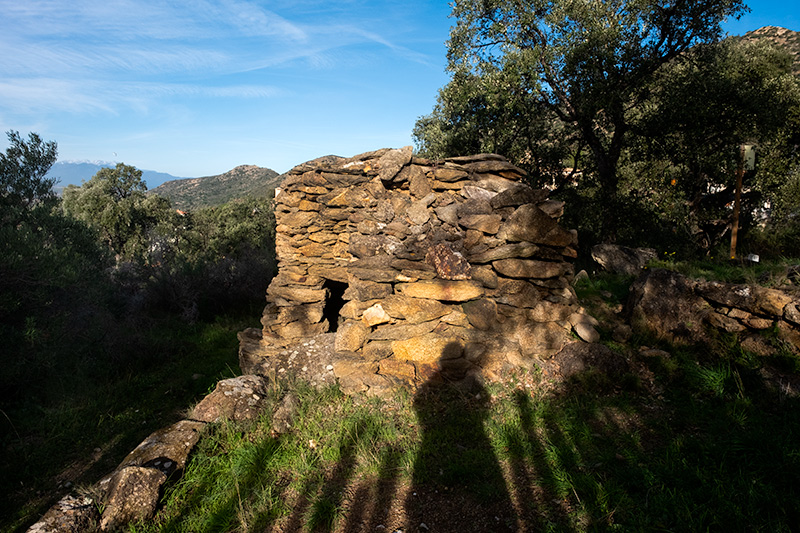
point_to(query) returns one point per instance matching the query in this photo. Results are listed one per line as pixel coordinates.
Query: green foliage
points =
(701, 107)
(642, 100)
(96, 352)
(194, 263)
(51, 269)
(493, 113)
(215, 258)
(113, 202)
(22, 172)
(590, 63)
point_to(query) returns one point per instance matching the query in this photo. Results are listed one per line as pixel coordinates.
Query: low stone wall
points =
(680, 310)
(422, 269)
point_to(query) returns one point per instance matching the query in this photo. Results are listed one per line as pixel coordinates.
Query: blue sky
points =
(195, 88)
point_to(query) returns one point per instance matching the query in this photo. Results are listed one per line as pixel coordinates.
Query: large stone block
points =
(366, 290)
(450, 291)
(530, 224)
(402, 330)
(485, 223)
(133, 494)
(414, 310)
(350, 336)
(370, 245)
(427, 348)
(531, 268)
(302, 295)
(239, 398)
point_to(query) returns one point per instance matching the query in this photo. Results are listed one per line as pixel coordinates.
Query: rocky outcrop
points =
(680, 310)
(404, 257)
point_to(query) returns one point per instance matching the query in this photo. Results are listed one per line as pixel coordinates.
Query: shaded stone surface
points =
(410, 258)
(622, 259)
(664, 303)
(71, 514)
(678, 309)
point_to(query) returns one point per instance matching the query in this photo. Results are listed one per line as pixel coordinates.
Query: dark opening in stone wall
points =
(334, 303)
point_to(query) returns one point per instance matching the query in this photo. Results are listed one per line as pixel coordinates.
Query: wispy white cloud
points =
(48, 94)
(253, 20)
(81, 60)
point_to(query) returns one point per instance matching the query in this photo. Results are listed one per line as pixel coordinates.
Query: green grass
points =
(705, 446)
(79, 425)
(766, 273)
(695, 440)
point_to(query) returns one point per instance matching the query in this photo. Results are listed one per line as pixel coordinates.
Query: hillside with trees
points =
(194, 193)
(780, 38)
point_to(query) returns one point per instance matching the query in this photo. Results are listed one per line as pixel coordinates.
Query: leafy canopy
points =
(589, 62)
(23, 168)
(114, 202)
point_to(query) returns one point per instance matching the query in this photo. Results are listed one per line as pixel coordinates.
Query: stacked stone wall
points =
(445, 268)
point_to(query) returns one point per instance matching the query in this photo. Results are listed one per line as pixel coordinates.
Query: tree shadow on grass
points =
(600, 452)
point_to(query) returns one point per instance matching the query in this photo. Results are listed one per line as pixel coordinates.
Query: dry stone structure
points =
(421, 269)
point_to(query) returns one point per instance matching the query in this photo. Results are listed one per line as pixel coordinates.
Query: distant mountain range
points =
(76, 172)
(194, 193)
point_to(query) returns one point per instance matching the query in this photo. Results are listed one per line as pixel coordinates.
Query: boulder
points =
(239, 398)
(167, 449)
(664, 303)
(753, 299)
(71, 514)
(622, 259)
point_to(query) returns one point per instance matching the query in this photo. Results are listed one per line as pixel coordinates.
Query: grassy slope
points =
(691, 440)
